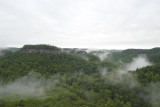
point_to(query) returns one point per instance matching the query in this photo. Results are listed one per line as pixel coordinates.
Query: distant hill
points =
(40, 46)
(13, 49)
(46, 49)
(127, 55)
(44, 59)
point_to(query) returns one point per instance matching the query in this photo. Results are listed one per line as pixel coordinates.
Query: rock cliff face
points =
(45, 51)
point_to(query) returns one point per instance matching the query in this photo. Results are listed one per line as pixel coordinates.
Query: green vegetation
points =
(41, 46)
(77, 79)
(127, 55)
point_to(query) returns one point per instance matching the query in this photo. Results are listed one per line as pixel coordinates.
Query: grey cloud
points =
(85, 23)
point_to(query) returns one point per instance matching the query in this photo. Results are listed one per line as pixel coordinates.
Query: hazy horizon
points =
(92, 49)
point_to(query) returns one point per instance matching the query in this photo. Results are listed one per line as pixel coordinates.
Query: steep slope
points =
(43, 59)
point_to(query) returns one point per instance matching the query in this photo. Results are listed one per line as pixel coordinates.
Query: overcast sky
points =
(108, 24)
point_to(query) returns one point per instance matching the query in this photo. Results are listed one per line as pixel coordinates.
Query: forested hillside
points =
(37, 77)
(127, 55)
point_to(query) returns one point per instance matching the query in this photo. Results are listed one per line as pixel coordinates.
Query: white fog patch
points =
(101, 53)
(122, 75)
(138, 62)
(84, 57)
(90, 50)
(1, 52)
(32, 85)
(151, 92)
(103, 71)
(102, 56)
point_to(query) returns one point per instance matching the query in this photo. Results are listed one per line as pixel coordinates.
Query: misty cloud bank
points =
(102, 56)
(31, 85)
(138, 62)
(1, 52)
(152, 90)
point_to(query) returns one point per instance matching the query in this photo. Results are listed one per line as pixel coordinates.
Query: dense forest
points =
(76, 78)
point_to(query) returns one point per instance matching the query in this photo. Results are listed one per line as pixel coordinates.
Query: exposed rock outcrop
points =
(45, 51)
